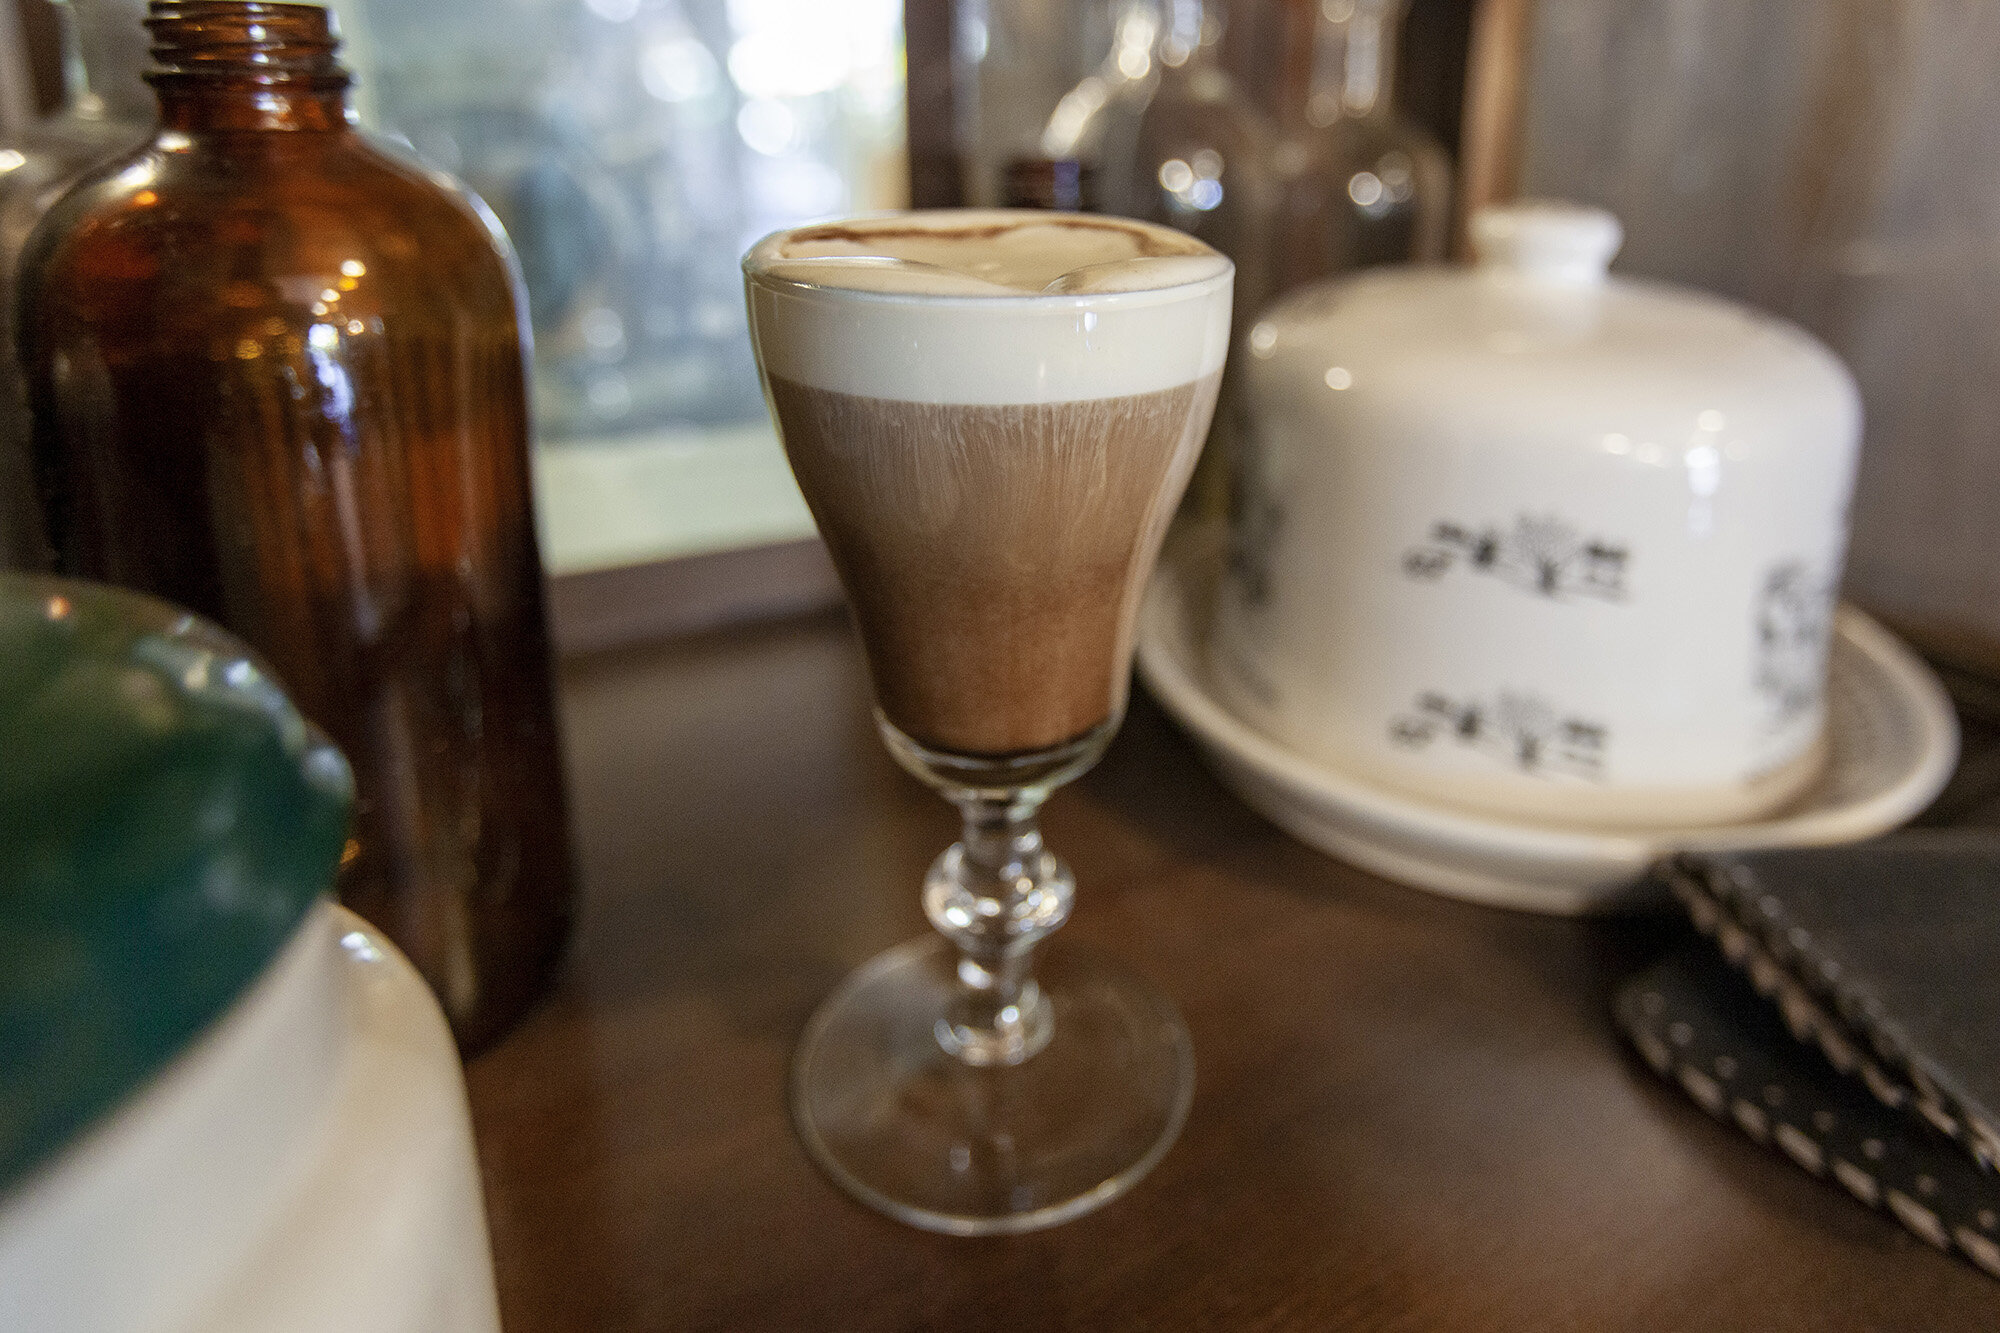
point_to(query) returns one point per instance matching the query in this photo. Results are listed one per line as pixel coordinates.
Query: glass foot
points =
(940, 1144)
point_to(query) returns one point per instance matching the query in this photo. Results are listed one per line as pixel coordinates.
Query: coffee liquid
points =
(994, 555)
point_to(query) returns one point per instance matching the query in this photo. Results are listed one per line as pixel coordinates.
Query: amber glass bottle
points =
(278, 377)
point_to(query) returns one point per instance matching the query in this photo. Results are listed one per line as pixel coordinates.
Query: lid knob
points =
(1546, 239)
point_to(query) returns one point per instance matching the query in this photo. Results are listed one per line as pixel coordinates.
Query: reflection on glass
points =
(633, 149)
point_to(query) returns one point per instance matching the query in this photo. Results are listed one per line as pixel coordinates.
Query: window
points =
(633, 149)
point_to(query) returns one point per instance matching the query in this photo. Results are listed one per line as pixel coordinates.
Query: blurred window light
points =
(790, 188)
(794, 64)
(610, 394)
(604, 331)
(767, 126)
(679, 70)
(716, 320)
(800, 48)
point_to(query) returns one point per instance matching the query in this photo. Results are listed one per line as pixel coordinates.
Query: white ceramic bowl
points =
(1892, 744)
(226, 1104)
(308, 1166)
(1539, 542)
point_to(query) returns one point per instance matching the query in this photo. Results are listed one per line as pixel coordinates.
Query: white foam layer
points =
(988, 307)
(993, 252)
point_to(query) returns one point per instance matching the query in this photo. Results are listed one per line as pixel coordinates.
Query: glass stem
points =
(997, 893)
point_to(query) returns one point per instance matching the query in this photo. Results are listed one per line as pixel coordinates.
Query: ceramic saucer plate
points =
(1893, 740)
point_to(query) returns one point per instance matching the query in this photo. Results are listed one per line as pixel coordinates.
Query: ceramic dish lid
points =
(166, 820)
(1538, 314)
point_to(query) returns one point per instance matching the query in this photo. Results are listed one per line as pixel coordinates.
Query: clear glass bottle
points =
(1357, 184)
(278, 377)
(1012, 61)
(1171, 136)
(106, 109)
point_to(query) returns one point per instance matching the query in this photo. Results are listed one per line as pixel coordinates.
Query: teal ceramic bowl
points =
(167, 819)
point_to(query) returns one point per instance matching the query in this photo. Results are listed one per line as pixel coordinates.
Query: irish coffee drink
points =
(992, 416)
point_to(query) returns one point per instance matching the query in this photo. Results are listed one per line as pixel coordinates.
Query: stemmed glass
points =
(992, 416)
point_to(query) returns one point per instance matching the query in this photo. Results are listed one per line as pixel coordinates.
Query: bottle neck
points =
(1354, 59)
(193, 110)
(246, 65)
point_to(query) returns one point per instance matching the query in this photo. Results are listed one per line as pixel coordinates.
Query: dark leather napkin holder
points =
(1885, 954)
(1873, 1054)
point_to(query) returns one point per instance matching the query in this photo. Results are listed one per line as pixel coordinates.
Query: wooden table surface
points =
(1410, 1113)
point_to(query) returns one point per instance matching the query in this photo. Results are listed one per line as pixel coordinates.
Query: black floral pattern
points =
(1794, 623)
(1519, 728)
(1542, 554)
